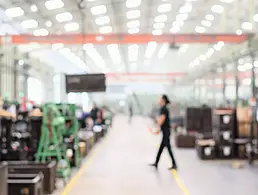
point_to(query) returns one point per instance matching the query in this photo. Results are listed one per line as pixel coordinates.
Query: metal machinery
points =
(71, 138)
(51, 142)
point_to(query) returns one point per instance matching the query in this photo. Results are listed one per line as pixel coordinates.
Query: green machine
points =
(71, 137)
(51, 143)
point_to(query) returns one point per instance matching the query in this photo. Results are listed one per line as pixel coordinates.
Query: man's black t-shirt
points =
(166, 124)
(94, 113)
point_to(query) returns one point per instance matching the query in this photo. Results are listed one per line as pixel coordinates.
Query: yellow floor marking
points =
(75, 178)
(180, 183)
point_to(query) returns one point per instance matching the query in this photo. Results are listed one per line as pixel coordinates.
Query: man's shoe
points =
(154, 165)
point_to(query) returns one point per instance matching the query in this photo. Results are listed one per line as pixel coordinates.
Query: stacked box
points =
(206, 149)
(185, 141)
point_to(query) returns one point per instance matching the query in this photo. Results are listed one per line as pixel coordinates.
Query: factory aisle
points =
(119, 165)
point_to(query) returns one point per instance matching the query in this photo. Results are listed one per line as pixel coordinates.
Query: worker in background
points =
(163, 123)
(94, 112)
(130, 112)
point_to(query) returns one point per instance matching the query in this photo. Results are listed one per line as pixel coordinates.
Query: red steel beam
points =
(123, 38)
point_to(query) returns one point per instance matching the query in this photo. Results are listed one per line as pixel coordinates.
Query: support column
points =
(26, 75)
(224, 83)
(236, 82)
(213, 88)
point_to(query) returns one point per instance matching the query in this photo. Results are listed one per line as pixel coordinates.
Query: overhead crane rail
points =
(124, 38)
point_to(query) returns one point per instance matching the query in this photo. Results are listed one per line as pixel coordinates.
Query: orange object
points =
(124, 38)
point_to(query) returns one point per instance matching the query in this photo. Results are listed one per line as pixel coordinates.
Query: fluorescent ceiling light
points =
(133, 30)
(57, 46)
(64, 17)
(241, 61)
(255, 17)
(256, 64)
(241, 68)
(174, 30)
(99, 9)
(133, 14)
(71, 27)
(178, 24)
(219, 45)
(200, 29)
(133, 52)
(29, 23)
(133, 3)
(105, 29)
(114, 53)
(150, 49)
(41, 32)
(186, 8)
(196, 62)
(248, 66)
(181, 16)
(164, 8)
(163, 51)
(14, 12)
(133, 24)
(104, 20)
(33, 8)
(157, 32)
(206, 23)
(247, 26)
(209, 52)
(161, 18)
(239, 32)
(48, 23)
(54, 4)
(209, 17)
(159, 25)
(217, 9)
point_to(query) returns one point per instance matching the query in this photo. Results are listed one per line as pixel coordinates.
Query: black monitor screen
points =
(85, 83)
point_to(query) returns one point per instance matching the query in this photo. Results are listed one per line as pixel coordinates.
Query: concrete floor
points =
(119, 166)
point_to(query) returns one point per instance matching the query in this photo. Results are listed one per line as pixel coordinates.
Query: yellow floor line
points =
(180, 183)
(75, 178)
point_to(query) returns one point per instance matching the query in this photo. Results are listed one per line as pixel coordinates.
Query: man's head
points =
(164, 100)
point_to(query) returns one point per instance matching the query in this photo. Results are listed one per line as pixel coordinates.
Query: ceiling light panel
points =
(133, 14)
(161, 18)
(71, 27)
(41, 32)
(217, 9)
(114, 53)
(163, 51)
(14, 12)
(178, 24)
(48, 23)
(98, 10)
(33, 8)
(159, 25)
(255, 17)
(163, 8)
(200, 29)
(105, 29)
(133, 52)
(181, 17)
(29, 24)
(133, 3)
(187, 8)
(206, 23)
(157, 32)
(104, 20)
(247, 26)
(64, 17)
(174, 30)
(209, 17)
(227, 1)
(133, 24)
(150, 49)
(54, 4)
(133, 30)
